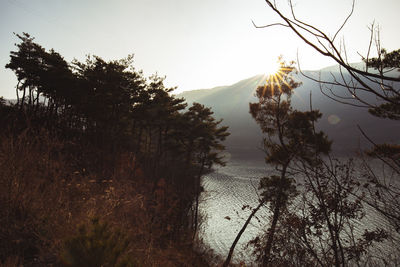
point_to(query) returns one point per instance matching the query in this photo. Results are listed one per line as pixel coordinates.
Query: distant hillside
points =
(231, 103)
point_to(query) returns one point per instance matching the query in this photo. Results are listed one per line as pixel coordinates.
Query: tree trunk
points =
(277, 211)
(16, 90)
(197, 192)
(272, 232)
(23, 97)
(228, 259)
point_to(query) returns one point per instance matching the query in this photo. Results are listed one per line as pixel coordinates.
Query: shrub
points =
(98, 245)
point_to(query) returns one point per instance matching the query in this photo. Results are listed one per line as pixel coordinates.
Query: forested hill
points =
(100, 165)
(339, 121)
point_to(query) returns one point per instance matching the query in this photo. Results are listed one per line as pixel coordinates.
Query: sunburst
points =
(276, 76)
(272, 68)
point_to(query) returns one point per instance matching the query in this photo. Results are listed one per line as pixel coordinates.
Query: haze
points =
(195, 44)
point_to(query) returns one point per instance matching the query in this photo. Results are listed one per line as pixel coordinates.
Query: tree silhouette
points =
(40, 74)
(289, 136)
(379, 79)
(204, 143)
(107, 110)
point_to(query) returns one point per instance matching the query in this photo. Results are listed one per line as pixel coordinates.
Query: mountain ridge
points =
(339, 121)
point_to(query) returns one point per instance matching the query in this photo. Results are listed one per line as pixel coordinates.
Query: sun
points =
(272, 68)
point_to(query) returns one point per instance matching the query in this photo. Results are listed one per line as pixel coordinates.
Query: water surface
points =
(227, 190)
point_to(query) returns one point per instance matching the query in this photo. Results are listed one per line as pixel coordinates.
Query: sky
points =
(195, 44)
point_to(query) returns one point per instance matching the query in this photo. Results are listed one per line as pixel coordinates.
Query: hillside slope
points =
(339, 121)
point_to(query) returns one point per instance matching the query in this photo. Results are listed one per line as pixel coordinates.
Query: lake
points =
(226, 190)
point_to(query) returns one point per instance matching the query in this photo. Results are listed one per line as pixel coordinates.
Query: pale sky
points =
(195, 44)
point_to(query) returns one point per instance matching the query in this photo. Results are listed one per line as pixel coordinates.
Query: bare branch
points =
(345, 21)
(269, 25)
(336, 57)
(370, 45)
(380, 158)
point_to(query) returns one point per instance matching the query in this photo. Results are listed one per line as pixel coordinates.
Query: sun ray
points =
(277, 81)
(272, 86)
(265, 89)
(272, 68)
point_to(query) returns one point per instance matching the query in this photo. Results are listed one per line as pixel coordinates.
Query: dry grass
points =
(44, 199)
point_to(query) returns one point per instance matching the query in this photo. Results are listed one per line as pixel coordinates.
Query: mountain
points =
(339, 121)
